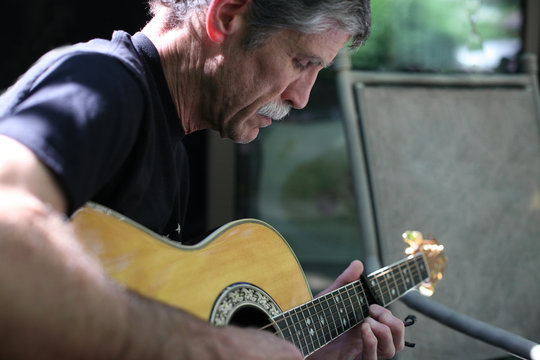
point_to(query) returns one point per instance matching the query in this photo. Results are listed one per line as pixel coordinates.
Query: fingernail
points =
(365, 325)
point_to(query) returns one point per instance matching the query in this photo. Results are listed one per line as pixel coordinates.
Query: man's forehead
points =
(320, 47)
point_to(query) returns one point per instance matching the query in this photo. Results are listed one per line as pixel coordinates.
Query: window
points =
(296, 175)
(443, 35)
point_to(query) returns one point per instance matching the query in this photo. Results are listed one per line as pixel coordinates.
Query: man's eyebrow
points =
(318, 60)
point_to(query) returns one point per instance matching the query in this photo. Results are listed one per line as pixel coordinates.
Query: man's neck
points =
(186, 67)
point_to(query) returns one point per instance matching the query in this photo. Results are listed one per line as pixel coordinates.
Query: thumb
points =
(351, 273)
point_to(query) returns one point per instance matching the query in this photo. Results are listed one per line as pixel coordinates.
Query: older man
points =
(103, 121)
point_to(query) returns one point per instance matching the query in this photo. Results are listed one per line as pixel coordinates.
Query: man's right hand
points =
(57, 302)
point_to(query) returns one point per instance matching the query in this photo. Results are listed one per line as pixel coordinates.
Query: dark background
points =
(32, 28)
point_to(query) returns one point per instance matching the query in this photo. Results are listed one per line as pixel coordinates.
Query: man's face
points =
(262, 84)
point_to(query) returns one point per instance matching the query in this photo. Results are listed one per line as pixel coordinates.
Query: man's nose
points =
(298, 91)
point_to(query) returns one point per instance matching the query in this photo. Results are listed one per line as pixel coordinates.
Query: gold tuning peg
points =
(433, 254)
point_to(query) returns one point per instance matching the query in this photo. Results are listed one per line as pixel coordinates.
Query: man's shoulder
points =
(117, 50)
(99, 59)
(119, 47)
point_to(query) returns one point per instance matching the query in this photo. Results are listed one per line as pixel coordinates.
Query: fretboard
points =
(314, 324)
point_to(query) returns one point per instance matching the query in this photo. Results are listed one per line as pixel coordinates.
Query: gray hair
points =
(267, 16)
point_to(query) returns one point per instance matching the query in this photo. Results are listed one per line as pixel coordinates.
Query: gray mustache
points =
(275, 110)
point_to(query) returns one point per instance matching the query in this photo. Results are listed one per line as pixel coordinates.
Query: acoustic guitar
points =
(246, 274)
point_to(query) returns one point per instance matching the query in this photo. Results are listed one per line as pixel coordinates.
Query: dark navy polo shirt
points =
(100, 116)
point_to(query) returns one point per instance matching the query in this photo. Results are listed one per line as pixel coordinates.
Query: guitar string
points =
(304, 338)
(350, 313)
(377, 278)
(416, 275)
(325, 298)
(326, 334)
(385, 291)
(381, 276)
(326, 331)
(308, 344)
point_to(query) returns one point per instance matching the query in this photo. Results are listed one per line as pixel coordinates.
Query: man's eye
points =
(301, 64)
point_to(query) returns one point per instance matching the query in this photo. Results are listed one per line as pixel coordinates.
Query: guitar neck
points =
(316, 323)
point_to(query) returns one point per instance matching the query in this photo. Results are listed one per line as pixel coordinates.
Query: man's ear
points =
(225, 17)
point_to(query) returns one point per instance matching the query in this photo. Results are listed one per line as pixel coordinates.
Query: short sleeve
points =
(80, 117)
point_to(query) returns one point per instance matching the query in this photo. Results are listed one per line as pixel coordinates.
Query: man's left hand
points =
(379, 336)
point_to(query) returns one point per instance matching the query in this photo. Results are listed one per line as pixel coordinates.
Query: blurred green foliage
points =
(424, 34)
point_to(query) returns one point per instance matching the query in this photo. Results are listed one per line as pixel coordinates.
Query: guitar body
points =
(244, 270)
(245, 274)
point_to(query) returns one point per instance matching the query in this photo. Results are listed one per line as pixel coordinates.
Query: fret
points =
(289, 331)
(343, 313)
(408, 275)
(401, 270)
(383, 294)
(350, 309)
(360, 293)
(395, 289)
(305, 342)
(306, 326)
(349, 289)
(391, 286)
(386, 295)
(411, 271)
(285, 331)
(419, 274)
(312, 322)
(423, 268)
(340, 312)
(415, 271)
(353, 319)
(336, 299)
(377, 294)
(322, 315)
(329, 316)
(331, 326)
(389, 283)
(318, 321)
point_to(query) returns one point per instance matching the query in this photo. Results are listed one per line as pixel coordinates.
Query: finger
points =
(385, 344)
(351, 273)
(396, 326)
(369, 341)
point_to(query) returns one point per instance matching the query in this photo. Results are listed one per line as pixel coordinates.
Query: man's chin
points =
(244, 138)
(252, 136)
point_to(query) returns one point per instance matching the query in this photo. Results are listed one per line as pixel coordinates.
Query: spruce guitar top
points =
(246, 274)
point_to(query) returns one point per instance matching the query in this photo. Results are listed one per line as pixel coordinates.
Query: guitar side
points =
(193, 277)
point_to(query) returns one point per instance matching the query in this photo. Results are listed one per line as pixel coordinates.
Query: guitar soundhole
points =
(249, 316)
(244, 305)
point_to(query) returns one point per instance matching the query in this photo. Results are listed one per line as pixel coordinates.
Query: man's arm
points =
(57, 302)
(20, 169)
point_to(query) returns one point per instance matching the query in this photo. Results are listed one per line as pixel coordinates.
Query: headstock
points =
(434, 255)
